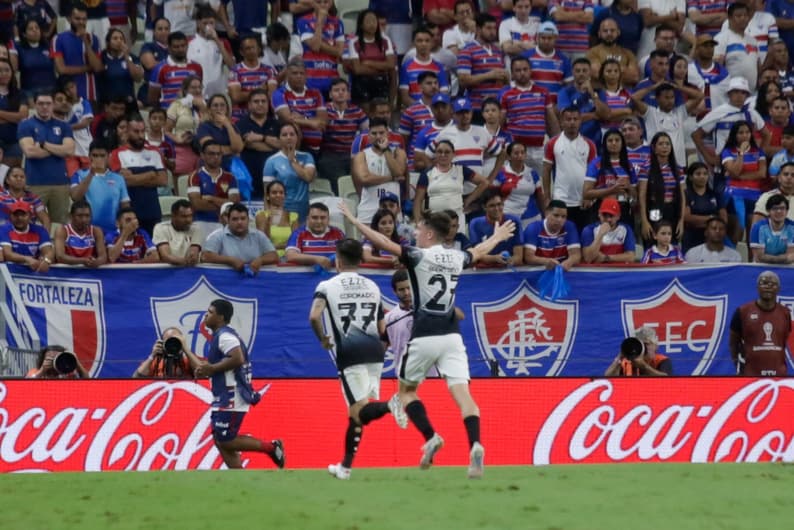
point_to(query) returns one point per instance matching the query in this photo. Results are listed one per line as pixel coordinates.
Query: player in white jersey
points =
(378, 170)
(435, 339)
(353, 303)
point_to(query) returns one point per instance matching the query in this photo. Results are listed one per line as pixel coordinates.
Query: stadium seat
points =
(337, 219)
(349, 14)
(350, 230)
(347, 190)
(54, 228)
(165, 204)
(320, 187)
(181, 185)
(741, 248)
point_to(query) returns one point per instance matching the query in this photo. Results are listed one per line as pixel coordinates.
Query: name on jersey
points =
(36, 293)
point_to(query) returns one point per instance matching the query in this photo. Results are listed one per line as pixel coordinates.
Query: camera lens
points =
(631, 348)
(65, 362)
(172, 346)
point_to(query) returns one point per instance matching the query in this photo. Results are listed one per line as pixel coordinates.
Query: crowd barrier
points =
(111, 316)
(140, 425)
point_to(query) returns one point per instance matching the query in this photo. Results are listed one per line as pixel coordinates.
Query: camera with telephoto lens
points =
(631, 348)
(65, 362)
(173, 347)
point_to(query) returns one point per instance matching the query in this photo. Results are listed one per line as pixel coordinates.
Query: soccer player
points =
(229, 370)
(436, 338)
(356, 318)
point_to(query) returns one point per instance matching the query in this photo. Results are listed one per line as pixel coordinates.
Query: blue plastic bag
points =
(244, 181)
(552, 284)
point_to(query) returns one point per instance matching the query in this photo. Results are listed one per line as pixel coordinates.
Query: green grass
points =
(614, 497)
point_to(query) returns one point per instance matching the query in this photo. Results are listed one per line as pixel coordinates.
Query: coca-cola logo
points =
(591, 424)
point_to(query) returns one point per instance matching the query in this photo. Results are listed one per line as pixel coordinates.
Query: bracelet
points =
(48, 261)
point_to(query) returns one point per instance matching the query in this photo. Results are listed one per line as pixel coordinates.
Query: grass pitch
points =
(645, 496)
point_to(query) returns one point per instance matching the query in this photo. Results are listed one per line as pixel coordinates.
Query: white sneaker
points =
(429, 450)
(339, 471)
(397, 410)
(476, 459)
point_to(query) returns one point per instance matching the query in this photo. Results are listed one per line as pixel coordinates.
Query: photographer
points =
(638, 357)
(170, 358)
(55, 362)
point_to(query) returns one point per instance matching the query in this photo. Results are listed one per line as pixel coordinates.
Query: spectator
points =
(103, 127)
(518, 34)
(530, 114)
(566, 157)
(46, 368)
(663, 252)
(713, 250)
(785, 187)
(143, 171)
(580, 95)
(165, 363)
(761, 25)
(345, 120)
(647, 363)
(481, 65)
(637, 149)
(323, 38)
(760, 331)
(26, 243)
(778, 60)
(708, 75)
(442, 118)
(179, 240)
(210, 187)
(657, 14)
(169, 76)
(736, 49)
(552, 241)
(455, 239)
(421, 62)
(520, 187)
(609, 47)
(302, 106)
(661, 189)
(260, 136)
(76, 53)
(248, 75)
(153, 52)
(128, 243)
(629, 24)
(156, 138)
(378, 170)
(274, 220)
(772, 239)
(38, 11)
(278, 49)
(35, 65)
(550, 68)
(391, 202)
(707, 15)
(439, 12)
(779, 119)
(572, 18)
(46, 142)
(314, 243)
(659, 72)
(700, 205)
(397, 15)
(442, 185)
(104, 190)
(182, 120)
(384, 222)
(81, 117)
(613, 104)
(380, 108)
(249, 17)
(508, 252)
(120, 71)
(295, 169)
(79, 242)
(609, 240)
(15, 189)
(768, 92)
(744, 164)
(420, 114)
(180, 14)
(218, 127)
(611, 175)
(372, 62)
(211, 52)
(463, 32)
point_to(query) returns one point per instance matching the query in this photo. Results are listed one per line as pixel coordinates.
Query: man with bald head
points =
(760, 331)
(608, 48)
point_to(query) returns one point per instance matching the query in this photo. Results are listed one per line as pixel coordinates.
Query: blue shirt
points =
(105, 194)
(8, 131)
(28, 243)
(773, 243)
(248, 15)
(783, 9)
(570, 97)
(278, 167)
(72, 48)
(36, 68)
(51, 170)
(116, 80)
(480, 229)
(780, 158)
(551, 245)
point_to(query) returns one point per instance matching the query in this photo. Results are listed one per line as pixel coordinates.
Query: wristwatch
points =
(41, 144)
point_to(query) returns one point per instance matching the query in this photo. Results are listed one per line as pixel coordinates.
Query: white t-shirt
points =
(455, 37)
(720, 120)
(763, 28)
(672, 123)
(570, 161)
(513, 30)
(701, 254)
(207, 53)
(370, 195)
(741, 55)
(660, 7)
(226, 343)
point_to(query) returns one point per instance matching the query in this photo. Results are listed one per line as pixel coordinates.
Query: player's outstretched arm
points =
(378, 240)
(501, 232)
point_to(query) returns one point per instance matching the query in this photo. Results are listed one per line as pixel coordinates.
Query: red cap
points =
(610, 206)
(19, 205)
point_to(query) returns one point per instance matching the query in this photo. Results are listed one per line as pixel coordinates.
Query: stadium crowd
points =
(652, 131)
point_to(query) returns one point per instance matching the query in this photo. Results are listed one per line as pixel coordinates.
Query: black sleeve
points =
(736, 321)
(666, 366)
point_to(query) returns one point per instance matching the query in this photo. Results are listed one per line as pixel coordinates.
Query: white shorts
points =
(361, 381)
(446, 352)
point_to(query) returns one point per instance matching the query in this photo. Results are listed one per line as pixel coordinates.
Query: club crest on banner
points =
(788, 301)
(689, 326)
(67, 312)
(186, 311)
(525, 334)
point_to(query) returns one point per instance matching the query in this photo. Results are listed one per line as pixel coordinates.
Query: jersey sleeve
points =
(227, 342)
(411, 256)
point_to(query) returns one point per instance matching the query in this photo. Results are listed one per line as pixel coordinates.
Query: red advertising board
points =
(139, 425)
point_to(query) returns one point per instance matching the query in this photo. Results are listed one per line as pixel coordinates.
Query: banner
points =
(112, 316)
(139, 425)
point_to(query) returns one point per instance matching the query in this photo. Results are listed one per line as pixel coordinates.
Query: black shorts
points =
(225, 424)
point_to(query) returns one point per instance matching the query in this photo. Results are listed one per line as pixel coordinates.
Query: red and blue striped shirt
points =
(307, 103)
(168, 76)
(321, 67)
(80, 245)
(71, 48)
(674, 256)
(574, 37)
(525, 109)
(27, 243)
(750, 164)
(409, 76)
(708, 8)
(549, 71)
(551, 245)
(412, 121)
(250, 79)
(671, 180)
(306, 242)
(343, 125)
(476, 59)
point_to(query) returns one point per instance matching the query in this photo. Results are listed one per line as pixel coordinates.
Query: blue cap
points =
(548, 27)
(440, 98)
(389, 196)
(461, 104)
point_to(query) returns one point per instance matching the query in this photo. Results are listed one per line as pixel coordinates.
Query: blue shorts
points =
(226, 424)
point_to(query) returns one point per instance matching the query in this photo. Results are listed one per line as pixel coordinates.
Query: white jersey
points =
(208, 54)
(719, 121)
(434, 274)
(370, 195)
(763, 28)
(353, 303)
(740, 53)
(471, 147)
